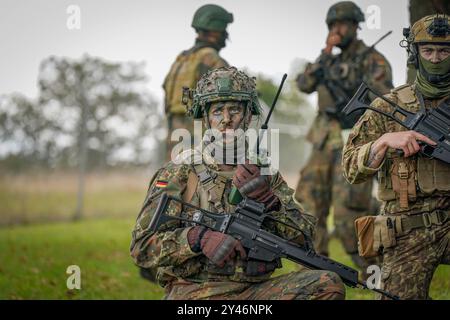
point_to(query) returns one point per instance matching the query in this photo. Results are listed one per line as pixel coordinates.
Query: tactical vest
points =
(209, 189)
(208, 186)
(407, 179)
(183, 73)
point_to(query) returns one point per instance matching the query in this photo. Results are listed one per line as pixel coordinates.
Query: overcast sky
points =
(265, 37)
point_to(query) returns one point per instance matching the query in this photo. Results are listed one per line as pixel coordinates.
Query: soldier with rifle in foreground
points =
(216, 228)
(195, 262)
(405, 139)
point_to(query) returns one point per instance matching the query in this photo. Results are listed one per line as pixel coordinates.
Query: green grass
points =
(34, 259)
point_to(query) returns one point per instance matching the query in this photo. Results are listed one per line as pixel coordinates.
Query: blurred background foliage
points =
(88, 100)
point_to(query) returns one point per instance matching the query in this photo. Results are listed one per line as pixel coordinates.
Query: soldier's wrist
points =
(381, 144)
(195, 236)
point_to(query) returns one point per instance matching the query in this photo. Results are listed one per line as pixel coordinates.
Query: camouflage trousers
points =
(301, 285)
(176, 121)
(409, 266)
(322, 186)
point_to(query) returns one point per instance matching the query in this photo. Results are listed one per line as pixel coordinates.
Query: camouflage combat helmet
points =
(430, 29)
(344, 10)
(211, 17)
(224, 84)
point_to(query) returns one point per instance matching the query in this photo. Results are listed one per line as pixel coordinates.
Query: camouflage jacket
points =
(406, 185)
(348, 69)
(187, 69)
(168, 250)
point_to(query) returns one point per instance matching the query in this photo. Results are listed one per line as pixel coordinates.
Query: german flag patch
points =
(161, 184)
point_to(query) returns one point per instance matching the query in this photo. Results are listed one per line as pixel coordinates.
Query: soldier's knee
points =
(331, 287)
(317, 285)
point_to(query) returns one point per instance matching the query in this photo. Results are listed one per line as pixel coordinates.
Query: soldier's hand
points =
(217, 246)
(333, 40)
(252, 184)
(407, 141)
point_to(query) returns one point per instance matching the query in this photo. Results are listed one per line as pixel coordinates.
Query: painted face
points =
(226, 115)
(434, 53)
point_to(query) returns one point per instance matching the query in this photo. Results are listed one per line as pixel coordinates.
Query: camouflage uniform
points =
(186, 274)
(416, 198)
(187, 69)
(321, 183)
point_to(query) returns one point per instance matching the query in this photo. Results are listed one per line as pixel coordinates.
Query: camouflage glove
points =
(252, 184)
(217, 246)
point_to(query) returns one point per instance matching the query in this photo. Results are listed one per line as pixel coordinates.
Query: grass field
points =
(34, 257)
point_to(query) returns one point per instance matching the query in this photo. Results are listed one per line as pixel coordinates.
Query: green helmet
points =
(344, 10)
(211, 17)
(224, 84)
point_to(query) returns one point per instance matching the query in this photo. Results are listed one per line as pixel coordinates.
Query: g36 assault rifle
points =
(246, 225)
(434, 123)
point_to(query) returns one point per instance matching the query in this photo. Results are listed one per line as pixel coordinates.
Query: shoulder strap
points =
(405, 94)
(213, 184)
(179, 62)
(191, 187)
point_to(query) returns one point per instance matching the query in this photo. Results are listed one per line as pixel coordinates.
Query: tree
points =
(27, 136)
(103, 106)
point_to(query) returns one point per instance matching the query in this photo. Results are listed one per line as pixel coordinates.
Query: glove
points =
(217, 246)
(252, 184)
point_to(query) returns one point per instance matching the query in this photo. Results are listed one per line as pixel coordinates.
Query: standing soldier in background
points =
(336, 78)
(210, 22)
(413, 228)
